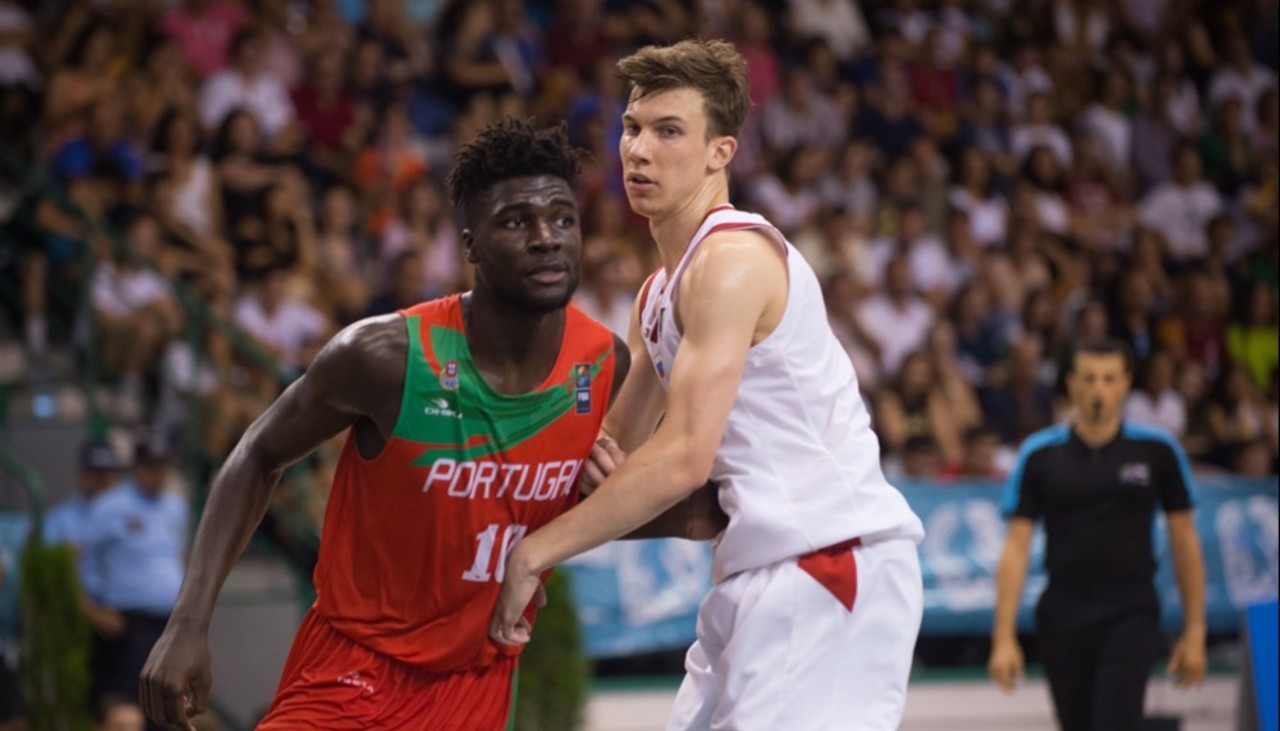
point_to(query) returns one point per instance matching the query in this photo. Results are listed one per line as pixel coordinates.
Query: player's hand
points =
(605, 457)
(520, 586)
(176, 679)
(1006, 665)
(1187, 662)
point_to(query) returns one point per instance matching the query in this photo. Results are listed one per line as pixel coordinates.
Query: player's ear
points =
(468, 246)
(723, 149)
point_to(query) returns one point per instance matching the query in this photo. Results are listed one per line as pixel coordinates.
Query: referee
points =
(1096, 482)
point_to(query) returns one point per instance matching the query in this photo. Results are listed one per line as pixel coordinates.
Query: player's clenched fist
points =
(176, 679)
(1006, 664)
(605, 457)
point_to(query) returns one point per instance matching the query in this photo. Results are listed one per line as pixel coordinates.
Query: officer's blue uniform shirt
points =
(68, 524)
(138, 544)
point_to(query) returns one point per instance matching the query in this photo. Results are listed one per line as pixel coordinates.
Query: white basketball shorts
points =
(779, 651)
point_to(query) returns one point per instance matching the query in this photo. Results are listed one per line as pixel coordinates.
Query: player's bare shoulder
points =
(745, 268)
(362, 369)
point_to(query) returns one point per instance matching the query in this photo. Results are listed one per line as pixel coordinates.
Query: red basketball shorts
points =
(330, 682)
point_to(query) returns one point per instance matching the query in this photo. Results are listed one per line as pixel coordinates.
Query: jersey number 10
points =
(485, 541)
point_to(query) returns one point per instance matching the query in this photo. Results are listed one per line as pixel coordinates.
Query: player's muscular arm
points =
(358, 375)
(731, 287)
(640, 401)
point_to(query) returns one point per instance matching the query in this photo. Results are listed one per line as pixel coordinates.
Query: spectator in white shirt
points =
(932, 271)
(1107, 122)
(1244, 78)
(245, 84)
(1039, 130)
(975, 194)
(288, 327)
(897, 320)
(1182, 208)
(134, 310)
(1156, 402)
(839, 22)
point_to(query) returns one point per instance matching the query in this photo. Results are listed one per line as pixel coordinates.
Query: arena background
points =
(187, 210)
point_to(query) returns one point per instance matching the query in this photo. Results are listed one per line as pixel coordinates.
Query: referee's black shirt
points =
(1098, 503)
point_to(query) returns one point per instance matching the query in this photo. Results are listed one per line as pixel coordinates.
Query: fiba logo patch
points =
(449, 376)
(582, 387)
(1135, 473)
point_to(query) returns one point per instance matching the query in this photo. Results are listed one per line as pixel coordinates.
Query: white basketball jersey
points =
(798, 465)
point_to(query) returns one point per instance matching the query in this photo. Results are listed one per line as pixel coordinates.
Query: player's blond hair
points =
(713, 68)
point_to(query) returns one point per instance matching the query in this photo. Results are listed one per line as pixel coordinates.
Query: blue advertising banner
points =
(642, 596)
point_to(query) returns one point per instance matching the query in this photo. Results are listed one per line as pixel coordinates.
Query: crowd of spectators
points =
(978, 184)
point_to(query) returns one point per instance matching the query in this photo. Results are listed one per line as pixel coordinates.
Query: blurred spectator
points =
(1155, 136)
(914, 408)
(896, 320)
(291, 330)
(982, 458)
(1107, 121)
(1024, 77)
(801, 115)
(1237, 414)
(389, 166)
(1226, 148)
(246, 85)
(840, 23)
(849, 185)
(753, 36)
(953, 384)
(345, 267)
(137, 537)
(1253, 339)
(245, 173)
(1134, 319)
(406, 285)
(193, 188)
(921, 459)
(1266, 134)
(1041, 193)
(134, 310)
(788, 195)
(204, 31)
(1181, 208)
(118, 713)
(1156, 402)
(90, 77)
(1198, 332)
(889, 121)
(17, 67)
(935, 87)
(606, 292)
(1019, 403)
(421, 222)
(161, 85)
(975, 194)
(841, 295)
(1242, 77)
(102, 138)
(982, 332)
(932, 271)
(326, 115)
(1101, 215)
(1193, 387)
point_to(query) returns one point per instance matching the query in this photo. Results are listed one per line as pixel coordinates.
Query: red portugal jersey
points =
(415, 540)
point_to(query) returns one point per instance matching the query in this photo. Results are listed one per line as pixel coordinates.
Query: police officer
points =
(136, 538)
(1096, 482)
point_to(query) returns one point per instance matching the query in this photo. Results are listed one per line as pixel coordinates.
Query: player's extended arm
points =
(348, 380)
(1187, 661)
(725, 295)
(1006, 663)
(634, 414)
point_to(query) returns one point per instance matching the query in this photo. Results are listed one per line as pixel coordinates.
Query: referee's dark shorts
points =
(1098, 621)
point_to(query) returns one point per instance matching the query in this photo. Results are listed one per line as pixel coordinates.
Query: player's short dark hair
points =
(1105, 346)
(510, 148)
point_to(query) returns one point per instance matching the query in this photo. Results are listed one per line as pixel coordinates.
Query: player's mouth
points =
(638, 182)
(552, 273)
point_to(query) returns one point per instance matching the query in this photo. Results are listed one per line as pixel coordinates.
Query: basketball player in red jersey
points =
(470, 418)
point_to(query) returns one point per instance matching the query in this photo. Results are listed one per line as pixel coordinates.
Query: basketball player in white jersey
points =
(817, 600)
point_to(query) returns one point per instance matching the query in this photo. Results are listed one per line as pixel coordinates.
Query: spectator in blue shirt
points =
(104, 139)
(137, 540)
